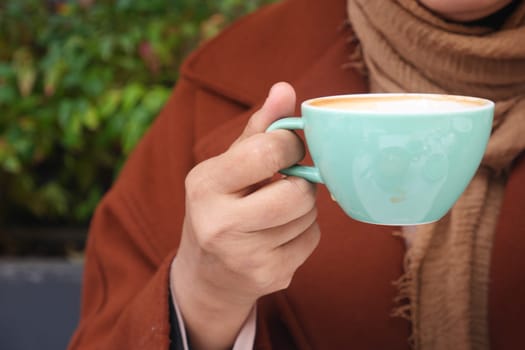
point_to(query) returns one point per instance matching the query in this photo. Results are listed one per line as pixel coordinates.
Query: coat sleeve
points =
(134, 235)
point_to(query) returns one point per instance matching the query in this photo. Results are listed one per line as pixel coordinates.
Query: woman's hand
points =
(244, 235)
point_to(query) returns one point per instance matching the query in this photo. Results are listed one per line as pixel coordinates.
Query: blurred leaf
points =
(212, 26)
(135, 128)
(131, 95)
(94, 83)
(52, 194)
(6, 71)
(86, 207)
(7, 95)
(12, 164)
(110, 102)
(91, 118)
(155, 98)
(106, 47)
(65, 110)
(72, 136)
(25, 70)
(52, 76)
(24, 148)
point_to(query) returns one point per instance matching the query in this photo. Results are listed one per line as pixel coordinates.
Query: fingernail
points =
(272, 88)
(269, 94)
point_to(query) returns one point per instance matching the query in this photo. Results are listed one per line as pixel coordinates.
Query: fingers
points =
(276, 204)
(296, 251)
(279, 267)
(279, 103)
(253, 160)
(275, 237)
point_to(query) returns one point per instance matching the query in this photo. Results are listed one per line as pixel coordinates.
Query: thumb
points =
(279, 103)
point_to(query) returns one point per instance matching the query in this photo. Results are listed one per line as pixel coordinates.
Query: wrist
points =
(193, 287)
(209, 284)
(212, 316)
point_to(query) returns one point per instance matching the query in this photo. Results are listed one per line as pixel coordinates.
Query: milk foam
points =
(400, 104)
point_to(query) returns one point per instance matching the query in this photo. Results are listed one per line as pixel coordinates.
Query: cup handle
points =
(310, 173)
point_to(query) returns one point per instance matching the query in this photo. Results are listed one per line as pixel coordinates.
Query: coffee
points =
(415, 103)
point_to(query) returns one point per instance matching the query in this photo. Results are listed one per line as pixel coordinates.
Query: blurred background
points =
(80, 83)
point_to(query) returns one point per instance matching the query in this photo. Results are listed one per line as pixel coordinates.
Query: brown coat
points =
(342, 296)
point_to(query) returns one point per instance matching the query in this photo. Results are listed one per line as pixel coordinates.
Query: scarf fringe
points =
(356, 59)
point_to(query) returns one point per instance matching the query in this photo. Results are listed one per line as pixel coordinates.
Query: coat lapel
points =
(281, 42)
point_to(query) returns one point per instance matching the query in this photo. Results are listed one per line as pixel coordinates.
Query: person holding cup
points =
(201, 219)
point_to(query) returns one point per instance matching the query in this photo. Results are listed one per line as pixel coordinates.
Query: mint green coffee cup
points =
(393, 159)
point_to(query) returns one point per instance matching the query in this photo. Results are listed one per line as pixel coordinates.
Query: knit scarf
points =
(407, 48)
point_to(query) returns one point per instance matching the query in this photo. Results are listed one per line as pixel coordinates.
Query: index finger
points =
(253, 160)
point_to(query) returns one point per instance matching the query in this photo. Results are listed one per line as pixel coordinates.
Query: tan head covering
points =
(406, 48)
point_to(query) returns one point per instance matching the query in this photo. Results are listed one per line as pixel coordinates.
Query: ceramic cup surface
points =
(393, 159)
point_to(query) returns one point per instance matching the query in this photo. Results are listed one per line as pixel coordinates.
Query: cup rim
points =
(484, 103)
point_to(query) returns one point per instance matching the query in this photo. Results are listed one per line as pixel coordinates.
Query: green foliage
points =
(80, 82)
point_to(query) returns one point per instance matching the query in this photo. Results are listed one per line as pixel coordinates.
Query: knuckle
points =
(206, 237)
(213, 236)
(241, 264)
(272, 277)
(284, 283)
(277, 149)
(272, 213)
(264, 279)
(209, 233)
(233, 264)
(253, 262)
(244, 262)
(285, 277)
(259, 270)
(314, 236)
(314, 213)
(302, 190)
(268, 151)
(196, 184)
